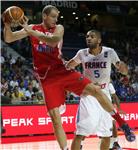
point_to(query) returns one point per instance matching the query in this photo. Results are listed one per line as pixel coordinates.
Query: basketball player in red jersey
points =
(55, 79)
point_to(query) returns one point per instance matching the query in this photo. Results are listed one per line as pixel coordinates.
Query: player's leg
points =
(105, 142)
(78, 84)
(87, 120)
(114, 139)
(95, 91)
(76, 143)
(104, 145)
(54, 97)
(58, 128)
(82, 142)
(105, 128)
(115, 135)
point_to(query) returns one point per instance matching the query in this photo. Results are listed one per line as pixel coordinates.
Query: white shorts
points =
(92, 119)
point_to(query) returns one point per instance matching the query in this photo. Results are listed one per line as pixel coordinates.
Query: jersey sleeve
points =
(77, 57)
(114, 57)
(111, 88)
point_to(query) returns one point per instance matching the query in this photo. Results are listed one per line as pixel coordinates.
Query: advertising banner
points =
(24, 120)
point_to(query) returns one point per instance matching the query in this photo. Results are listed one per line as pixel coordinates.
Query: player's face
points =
(92, 40)
(51, 19)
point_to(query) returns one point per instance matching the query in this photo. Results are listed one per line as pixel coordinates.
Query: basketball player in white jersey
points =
(91, 118)
(114, 145)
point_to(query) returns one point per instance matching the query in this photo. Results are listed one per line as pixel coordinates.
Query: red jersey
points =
(44, 56)
(53, 75)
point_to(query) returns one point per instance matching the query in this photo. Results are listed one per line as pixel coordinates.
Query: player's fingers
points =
(21, 22)
(25, 19)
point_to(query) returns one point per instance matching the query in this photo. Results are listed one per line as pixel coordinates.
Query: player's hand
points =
(4, 20)
(24, 23)
(122, 68)
(71, 64)
(66, 65)
(121, 111)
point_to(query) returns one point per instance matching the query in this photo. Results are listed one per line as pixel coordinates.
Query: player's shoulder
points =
(59, 26)
(105, 48)
(83, 51)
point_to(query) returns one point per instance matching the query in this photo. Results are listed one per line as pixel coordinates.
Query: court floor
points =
(89, 144)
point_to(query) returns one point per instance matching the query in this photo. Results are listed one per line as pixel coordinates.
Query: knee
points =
(80, 137)
(55, 117)
(105, 139)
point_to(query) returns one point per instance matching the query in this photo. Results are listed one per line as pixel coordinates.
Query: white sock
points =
(116, 139)
(82, 142)
(99, 143)
(65, 148)
(112, 140)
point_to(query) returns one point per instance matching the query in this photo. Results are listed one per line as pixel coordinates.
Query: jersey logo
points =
(94, 65)
(105, 54)
(44, 48)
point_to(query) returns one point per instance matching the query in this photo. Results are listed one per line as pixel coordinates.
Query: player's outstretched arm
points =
(51, 40)
(74, 62)
(10, 36)
(122, 67)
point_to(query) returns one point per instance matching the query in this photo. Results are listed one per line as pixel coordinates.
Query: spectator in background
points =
(4, 85)
(34, 82)
(40, 98)
(26, 81)
(34, 99)
(134, 85)
(19, 62)
(8, 94)
(2, 59)
(131, 65)
(17, 96)
(14, 82)
(21, 87)
(11, 59)
(29, 92)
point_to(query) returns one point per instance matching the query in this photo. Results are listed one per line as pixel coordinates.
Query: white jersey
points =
(97, 68)
(111, 88)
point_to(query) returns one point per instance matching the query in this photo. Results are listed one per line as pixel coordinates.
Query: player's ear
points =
(99, 40)
(44, 16)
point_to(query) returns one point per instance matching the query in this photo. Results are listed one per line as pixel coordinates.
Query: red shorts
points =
(57, 83)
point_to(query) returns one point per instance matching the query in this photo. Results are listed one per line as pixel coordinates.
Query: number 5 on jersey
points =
(96, 73)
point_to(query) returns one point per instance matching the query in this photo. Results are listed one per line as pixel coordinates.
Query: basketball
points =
(13, 14)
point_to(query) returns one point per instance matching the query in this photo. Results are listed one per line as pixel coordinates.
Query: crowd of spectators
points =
(18, 84)
(124, 42)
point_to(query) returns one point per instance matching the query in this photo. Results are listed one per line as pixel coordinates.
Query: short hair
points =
(98, 33)
(47, 9)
